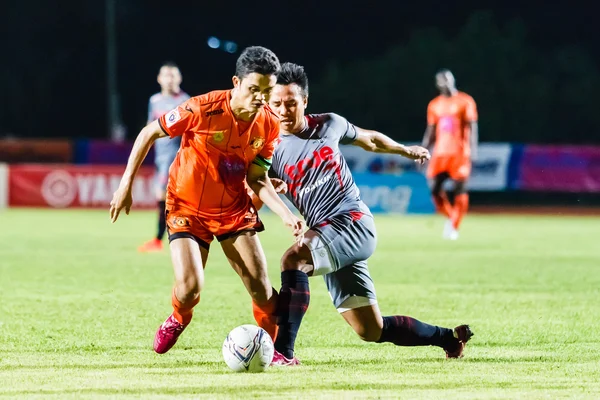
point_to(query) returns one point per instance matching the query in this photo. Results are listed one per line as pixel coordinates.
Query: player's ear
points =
(305, 101)
(236, 81)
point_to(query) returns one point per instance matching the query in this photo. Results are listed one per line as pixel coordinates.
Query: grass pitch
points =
(79, 308)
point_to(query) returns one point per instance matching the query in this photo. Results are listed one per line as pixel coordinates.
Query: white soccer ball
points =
(248, 348)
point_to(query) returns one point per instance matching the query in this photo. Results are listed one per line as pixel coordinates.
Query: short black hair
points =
(169, 64)
(293, 73)
(256, 59)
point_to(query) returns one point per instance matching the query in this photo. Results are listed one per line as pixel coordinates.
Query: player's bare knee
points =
(291, 260)
(188, 289)
(368, 333)
(460, 187)
(297, 258)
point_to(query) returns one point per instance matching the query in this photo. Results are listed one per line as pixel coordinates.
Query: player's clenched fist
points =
(418, 153)
(122, 199)
(279, 186)
(297, 226)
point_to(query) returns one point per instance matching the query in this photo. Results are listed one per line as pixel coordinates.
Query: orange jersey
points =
(451, 117)
(208, 177)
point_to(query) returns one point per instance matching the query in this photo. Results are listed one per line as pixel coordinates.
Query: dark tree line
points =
(52, 78)
(523, 94)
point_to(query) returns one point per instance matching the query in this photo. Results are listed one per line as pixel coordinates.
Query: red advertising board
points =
(71, 186)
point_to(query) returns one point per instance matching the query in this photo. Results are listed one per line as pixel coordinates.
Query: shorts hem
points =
(187, 235)
(356, 302)
(230, 235)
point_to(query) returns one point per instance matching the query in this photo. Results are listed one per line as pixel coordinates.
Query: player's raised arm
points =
(122, 197)
(377, 142)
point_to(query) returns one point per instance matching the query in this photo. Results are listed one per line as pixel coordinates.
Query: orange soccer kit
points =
(452, 150)
(207, 192)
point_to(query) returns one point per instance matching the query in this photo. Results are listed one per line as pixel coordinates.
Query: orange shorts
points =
(181, 224)
(457, 167)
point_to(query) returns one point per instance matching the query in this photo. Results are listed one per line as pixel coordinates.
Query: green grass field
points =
(79, 308)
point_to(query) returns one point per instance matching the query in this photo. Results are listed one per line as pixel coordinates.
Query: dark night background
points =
(532, 67)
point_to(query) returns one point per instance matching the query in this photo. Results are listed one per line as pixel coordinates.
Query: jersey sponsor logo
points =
(447, 125)
(323, 158)
(318, 183)
(172, 117)
(232, 169)
(214, 112)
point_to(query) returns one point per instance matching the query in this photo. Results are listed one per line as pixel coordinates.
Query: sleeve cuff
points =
(162, 127)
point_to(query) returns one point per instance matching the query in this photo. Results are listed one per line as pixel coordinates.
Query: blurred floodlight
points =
(213, 42)
(230, 47)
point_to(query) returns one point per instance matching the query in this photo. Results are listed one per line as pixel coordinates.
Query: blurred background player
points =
(453, 132)
(165, 149)
(228, 139)
(342, 234)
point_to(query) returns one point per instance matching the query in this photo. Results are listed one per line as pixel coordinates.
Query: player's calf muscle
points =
(260, 290)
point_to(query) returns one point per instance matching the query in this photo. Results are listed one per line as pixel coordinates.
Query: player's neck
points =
(450, 93)
(296, 130)
(172, 93)
(242, 113)
(239, 112)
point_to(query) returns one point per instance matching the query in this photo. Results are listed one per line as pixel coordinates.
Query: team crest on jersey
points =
(218, 136)
(172, 117)
(180, 221)
(257, 142)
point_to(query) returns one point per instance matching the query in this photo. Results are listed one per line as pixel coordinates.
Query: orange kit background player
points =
(452, 130)
(228, 139)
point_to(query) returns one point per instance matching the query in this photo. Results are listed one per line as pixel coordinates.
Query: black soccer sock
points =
(294, 297)
(407, 331)
(162, 222)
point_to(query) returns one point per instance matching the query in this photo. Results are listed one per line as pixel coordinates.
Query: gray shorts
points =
(340, 248)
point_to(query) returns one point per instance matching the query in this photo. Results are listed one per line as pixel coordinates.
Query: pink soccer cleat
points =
(167, 335)
(463, 334)
(281, 361)
(151, 246)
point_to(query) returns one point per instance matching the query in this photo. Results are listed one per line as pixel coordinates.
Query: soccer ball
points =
(248, 348)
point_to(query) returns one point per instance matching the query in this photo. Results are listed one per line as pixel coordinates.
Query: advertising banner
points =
(489, 171)
(560, 169)
(67, 186)
(406, 193)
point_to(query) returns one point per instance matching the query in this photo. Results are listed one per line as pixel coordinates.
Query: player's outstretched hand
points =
(418, 153)
(279, 186)
(297, 226)
(122, 199)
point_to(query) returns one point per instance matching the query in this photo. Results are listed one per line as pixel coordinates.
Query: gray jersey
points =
(319, 181)
(166, 148)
